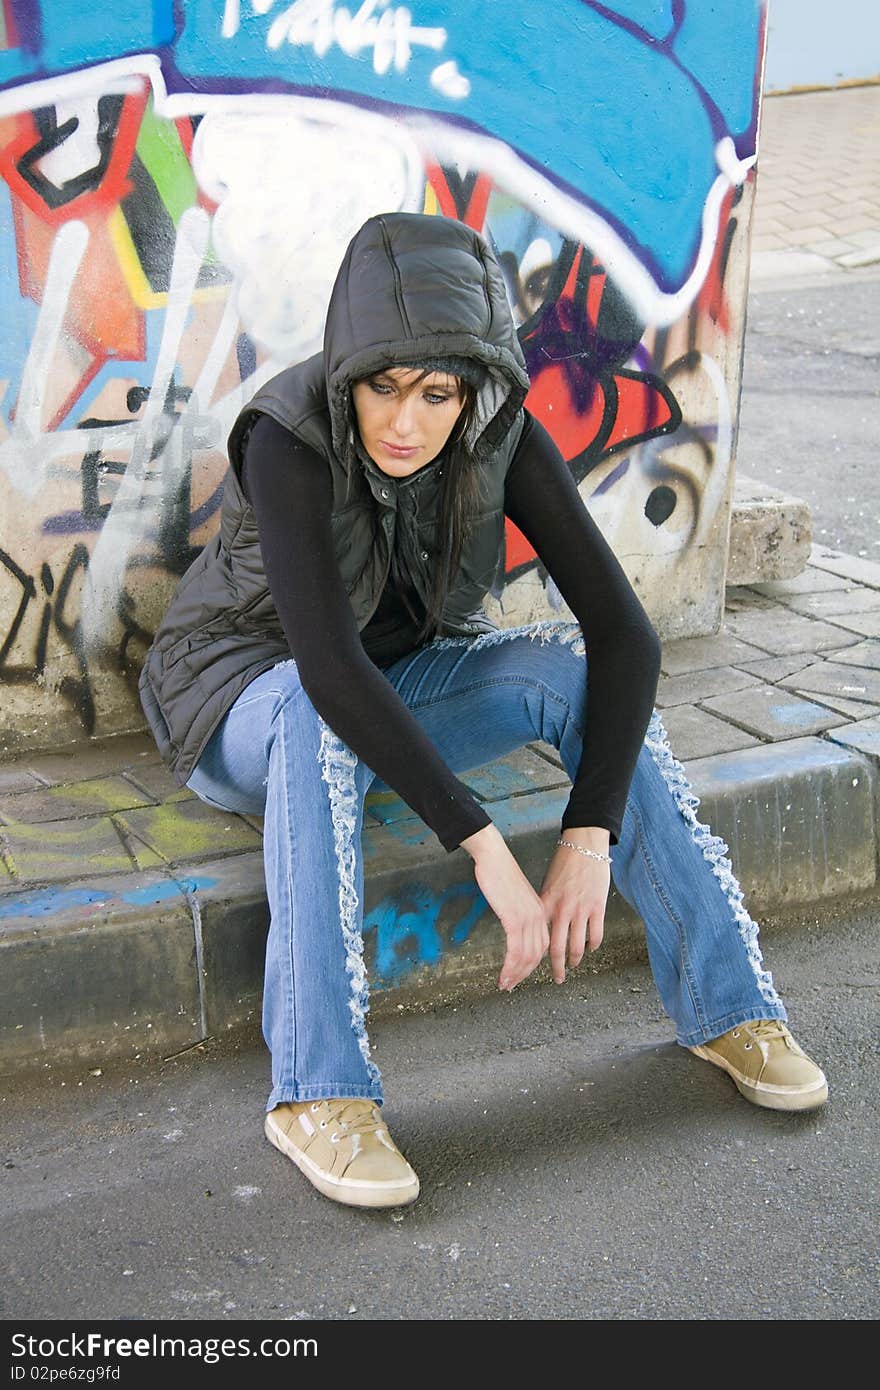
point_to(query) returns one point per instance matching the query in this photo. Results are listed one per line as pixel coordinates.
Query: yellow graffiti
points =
(144, 296)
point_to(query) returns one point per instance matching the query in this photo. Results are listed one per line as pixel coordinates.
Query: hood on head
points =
(413, 288)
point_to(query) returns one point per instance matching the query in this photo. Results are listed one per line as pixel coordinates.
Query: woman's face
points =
(405, 418)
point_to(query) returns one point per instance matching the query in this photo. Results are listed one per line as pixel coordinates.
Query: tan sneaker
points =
(344, 1149)
(767, 1066)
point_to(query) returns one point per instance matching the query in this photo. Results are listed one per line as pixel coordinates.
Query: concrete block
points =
(782, 632)
(394, 844)
(702, 653)
(868, 255)
(17, 779)
(142, 855)
(94, 797)
(798, 818)
(770, 533)
(697, 685)
(835, 247)
(864, 736)
(846, 566)
(94, 970)
(862, 654)
(788, 265)
(189, 830)
(695, 734)
(155, 780)
(521, 771)
(809, 581)
(834, 678)
(92, 758)
(546, 751)
(865, 624)
(771, 713)
(776, 668)
(868, 239)
(837, 602)
(853, 709)
(63, 849)
(385, 807)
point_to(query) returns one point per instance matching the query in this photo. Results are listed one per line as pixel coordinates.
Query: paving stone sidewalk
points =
(817, 203)
(133, 916)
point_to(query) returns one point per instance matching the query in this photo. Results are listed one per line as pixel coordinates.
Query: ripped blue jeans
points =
(477, 699)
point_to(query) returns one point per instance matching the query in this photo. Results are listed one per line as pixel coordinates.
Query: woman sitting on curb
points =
(331, 639)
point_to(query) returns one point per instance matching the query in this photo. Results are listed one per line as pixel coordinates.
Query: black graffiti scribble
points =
(591, 348)
(75, 689)
(131, 628)
(461, 187)
(130, 663)
(172, 536)
(579, 324)
(28, 591)
(52, 135)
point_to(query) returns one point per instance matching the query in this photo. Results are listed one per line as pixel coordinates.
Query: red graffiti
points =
(464, 198)
(582, 394)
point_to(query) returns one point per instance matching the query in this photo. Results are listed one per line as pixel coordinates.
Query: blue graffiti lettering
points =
(407, 930)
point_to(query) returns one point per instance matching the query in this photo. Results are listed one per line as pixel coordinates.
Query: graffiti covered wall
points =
(179, 183)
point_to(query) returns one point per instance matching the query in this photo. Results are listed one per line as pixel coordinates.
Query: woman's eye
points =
(380, 388)
(433, 399)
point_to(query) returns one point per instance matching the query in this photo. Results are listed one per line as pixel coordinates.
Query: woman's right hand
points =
(514, 901)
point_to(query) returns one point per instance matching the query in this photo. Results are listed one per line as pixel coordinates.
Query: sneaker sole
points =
(770, 1097)
(349, 1193)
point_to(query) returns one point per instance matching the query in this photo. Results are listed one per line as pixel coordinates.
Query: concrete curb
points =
(147, 964)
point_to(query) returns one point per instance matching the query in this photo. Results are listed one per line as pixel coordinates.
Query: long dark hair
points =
(459, 503)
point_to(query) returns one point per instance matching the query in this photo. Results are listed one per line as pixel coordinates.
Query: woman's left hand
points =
(575, 894)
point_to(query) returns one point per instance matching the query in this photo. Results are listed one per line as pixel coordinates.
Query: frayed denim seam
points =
(714, 850)
(696, 1001)
(338, 765)
(547, 631)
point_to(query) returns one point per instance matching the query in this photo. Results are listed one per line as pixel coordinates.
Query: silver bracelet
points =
(590, 853)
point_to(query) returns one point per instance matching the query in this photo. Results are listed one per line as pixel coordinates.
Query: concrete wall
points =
(178, 185)
(805, 49)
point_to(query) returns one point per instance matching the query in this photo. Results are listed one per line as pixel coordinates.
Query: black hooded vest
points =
(410, 287)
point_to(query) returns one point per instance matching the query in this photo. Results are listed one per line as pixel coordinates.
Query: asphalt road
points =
(575, 1164)
(810, 415)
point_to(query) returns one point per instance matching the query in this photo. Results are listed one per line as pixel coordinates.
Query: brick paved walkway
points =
(817, 207)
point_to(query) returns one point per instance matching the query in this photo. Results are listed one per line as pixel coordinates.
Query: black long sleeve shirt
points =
(341, 668)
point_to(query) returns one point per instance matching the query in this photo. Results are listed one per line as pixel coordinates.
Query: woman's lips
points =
(397, 450)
